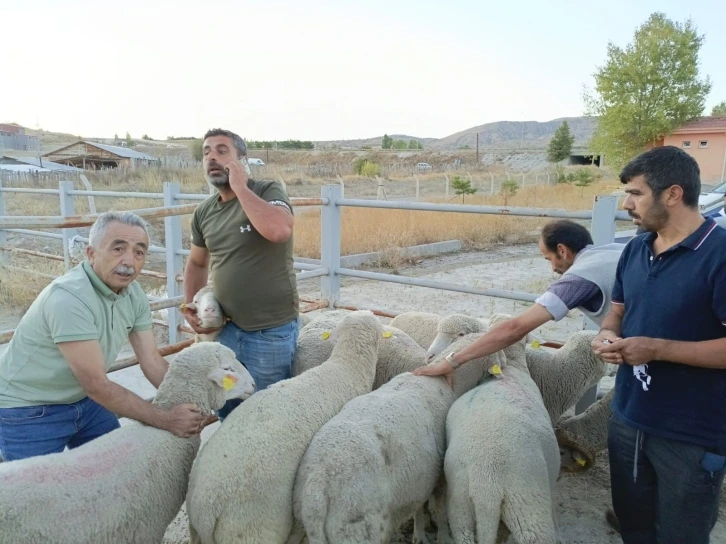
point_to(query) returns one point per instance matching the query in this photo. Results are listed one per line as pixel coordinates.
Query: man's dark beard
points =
(655, 219)
(220, 181)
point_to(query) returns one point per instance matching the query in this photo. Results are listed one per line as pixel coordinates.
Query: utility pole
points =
(477, 150)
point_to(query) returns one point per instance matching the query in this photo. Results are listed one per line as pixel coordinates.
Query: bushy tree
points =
(462, 187)
(648, 89)
(508, 190)
(719, 109)
(560, 145)
(386, 142)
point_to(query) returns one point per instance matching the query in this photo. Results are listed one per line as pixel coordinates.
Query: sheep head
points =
(451, 328)
(360, 328)
(206, 374)
(207, 307)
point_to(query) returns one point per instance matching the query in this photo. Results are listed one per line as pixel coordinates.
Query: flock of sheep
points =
(345, 451)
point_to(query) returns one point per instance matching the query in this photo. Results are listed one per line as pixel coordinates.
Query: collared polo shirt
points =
(76, 306)
(678, 295)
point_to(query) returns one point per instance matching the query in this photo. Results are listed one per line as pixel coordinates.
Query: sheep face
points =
(451, 328)
(208, 309)
(234, 379)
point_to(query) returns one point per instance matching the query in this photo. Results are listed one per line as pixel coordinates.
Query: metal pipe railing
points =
(471, 208)
(499, 293)
(60, 222)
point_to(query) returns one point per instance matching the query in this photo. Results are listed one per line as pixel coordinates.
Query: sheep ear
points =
(223, 379)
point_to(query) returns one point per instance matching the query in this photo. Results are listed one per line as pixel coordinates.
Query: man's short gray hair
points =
(239, 143)
(98, 230)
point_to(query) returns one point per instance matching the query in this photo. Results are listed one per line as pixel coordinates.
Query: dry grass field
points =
(363, 230)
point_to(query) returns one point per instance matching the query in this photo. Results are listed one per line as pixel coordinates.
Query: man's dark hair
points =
(664, 167)
(568, 233)
(239, 143)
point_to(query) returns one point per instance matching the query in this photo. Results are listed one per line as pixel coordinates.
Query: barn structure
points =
(96, 156)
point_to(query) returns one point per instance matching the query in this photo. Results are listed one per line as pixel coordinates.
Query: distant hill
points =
(513, 134)
(499, 135)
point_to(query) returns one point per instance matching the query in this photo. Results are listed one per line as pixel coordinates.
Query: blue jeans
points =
(267, 354)
(664, 491)
(40, 430)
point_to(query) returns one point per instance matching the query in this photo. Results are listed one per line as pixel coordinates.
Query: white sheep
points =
(502, 459)
(582, 436)
(376, 463)
(562, 375)
(450, 328)
(397, 352)
(421, 326)
(125, 486)
(304, 320)
(240, 488)
(565, 374)
(209, 311)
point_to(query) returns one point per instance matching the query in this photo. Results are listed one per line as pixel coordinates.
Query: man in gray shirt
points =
(588, 274)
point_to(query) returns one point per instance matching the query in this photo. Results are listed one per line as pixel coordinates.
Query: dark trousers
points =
(664, 491)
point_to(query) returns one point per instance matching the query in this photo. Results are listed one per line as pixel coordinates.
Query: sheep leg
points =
(194, 537)
(420, 520)
(438, 502)
(297, 534)
(462, 519)
(529, 516)
(488, 511)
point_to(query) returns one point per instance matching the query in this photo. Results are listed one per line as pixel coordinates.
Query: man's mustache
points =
(124, 270)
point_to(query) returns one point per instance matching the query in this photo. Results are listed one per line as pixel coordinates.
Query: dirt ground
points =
(581, 498)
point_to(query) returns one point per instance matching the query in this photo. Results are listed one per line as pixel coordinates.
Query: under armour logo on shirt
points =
(245, 228)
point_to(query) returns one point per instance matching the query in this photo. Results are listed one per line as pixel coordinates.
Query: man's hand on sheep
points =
(190, 314)
(634, 351)
(603, 339)
(442, 368)
(183, 420)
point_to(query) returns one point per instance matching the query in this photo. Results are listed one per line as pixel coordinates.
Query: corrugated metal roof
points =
(46, 164)
(704, 123)
(123, 151)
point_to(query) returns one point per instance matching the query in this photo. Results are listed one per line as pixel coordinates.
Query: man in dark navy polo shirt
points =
(667, 330)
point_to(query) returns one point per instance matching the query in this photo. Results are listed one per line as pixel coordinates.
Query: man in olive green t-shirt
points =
(243, 236)
(54, 392)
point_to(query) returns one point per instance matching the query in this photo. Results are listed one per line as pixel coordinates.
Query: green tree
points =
(508, 190)
(196, 148)
(648, 89)
(129, 141)
(386, 142)
(560, 145)
(583, 178)
(462, 187)
(719, 109)
(399, 144)
(115, 137)
(413, 144)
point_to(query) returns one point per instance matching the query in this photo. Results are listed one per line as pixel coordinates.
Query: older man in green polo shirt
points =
(54, 391)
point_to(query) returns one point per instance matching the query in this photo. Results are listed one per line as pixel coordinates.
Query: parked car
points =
(711, 203)
(423, 166)
(255, 162)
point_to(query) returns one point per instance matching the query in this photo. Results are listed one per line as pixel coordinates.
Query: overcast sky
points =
(316, 70)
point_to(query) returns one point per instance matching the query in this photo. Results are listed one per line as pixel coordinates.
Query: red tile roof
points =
(703, 124)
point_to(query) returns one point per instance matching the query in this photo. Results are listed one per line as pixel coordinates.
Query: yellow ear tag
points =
(581, 462)
(535, 344)
(325, 335)
(496, 370)
(387, 334)
(228, 382)
(183, 306)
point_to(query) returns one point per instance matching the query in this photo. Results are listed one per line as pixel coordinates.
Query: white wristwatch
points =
(450, 359)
